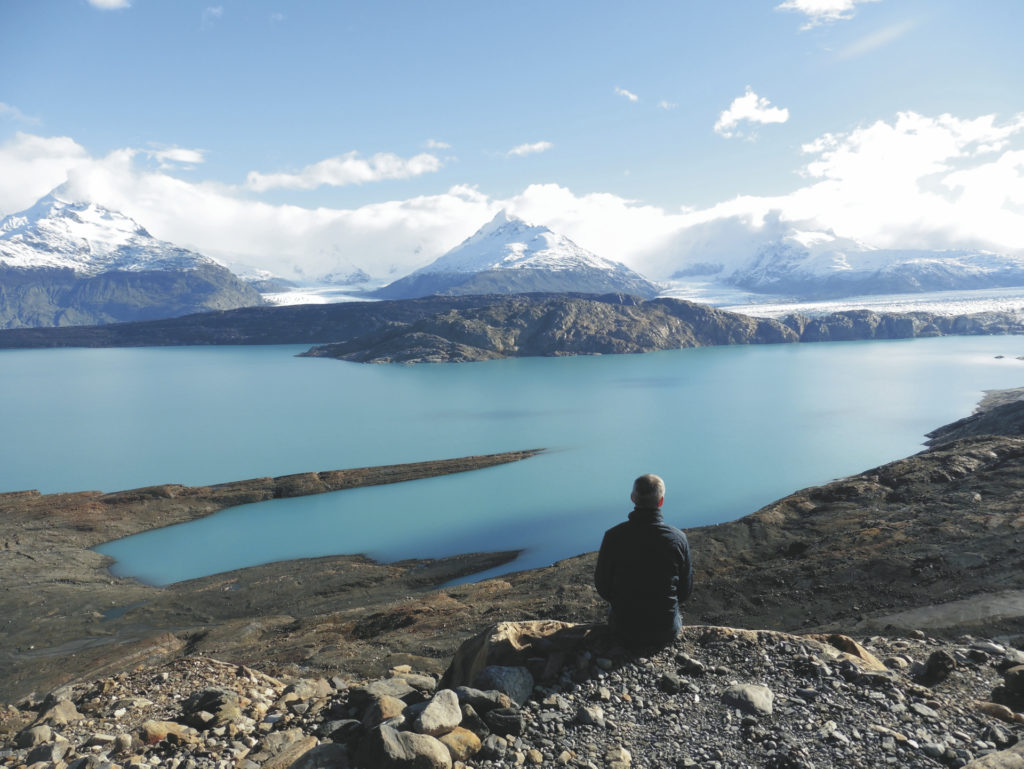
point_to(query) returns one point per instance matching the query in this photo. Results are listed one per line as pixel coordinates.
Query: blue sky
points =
(310, 136)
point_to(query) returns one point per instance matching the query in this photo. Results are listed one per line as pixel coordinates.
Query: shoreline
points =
(60, 596)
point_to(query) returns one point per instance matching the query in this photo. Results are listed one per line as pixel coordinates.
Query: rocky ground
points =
(550, 694)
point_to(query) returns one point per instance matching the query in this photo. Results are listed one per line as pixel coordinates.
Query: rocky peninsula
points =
(65, 615)
(466, 328)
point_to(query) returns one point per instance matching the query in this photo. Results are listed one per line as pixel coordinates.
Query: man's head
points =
(648, 491)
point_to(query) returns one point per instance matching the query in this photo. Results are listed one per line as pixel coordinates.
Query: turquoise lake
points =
(729, 428)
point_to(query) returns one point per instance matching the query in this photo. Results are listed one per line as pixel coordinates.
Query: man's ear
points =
(661, 502)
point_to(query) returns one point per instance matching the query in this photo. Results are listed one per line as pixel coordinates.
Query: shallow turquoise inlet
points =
(729, 428)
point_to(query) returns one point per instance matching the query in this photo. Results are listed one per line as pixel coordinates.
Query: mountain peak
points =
(58, 232)
(508, 255)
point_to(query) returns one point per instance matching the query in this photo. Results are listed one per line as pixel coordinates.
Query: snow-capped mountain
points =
(509, 256)
(819, 264)
(88, 239)
(808, 264)
(72, 263)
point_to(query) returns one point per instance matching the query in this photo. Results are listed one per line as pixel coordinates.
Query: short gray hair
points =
(648, 490)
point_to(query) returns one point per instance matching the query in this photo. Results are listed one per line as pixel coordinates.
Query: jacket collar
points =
(645, 515)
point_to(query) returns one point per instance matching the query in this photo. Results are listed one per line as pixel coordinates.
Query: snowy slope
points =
(509, 243)
(88, 239)
(821, 264)
(507, 255)
(816, 265)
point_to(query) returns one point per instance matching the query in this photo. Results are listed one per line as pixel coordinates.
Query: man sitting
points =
(644, 570)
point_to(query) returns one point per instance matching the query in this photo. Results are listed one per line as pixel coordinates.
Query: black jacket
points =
(644, 572)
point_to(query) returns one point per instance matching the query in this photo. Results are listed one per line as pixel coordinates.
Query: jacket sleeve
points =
(685, 571)
(603, 571)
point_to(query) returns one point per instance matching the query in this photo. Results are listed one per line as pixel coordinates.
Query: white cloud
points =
(822, 11)
(173, 157)
(434, 144)
(277, 17)
(918, 182)
(210, 14)
(31, 166)
(109, 5)
(875, 40)
(346, 169)
(628, 94)
(750, 108)
(910, 182)
(10, 112)
(529, 149)
(665, 104)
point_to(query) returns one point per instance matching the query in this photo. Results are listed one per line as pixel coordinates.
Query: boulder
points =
(211, 708)
(590, 715)
(618, 758)
(441, 715)
(508, 643)
(381, 709)
(462, 744)
(515, 681)
(483, 701)
(386, 748)
(494, 748)
(60, 713)
(471, 720)
(330, 755)
(1012, 758)
(753, 699)
(151, 732)
(308, 689)
(361, 696)
(937, 667)
(34, 735)
(50, 752)
(506, 721)
(1013, 679)
(292, 753)
(841, 647)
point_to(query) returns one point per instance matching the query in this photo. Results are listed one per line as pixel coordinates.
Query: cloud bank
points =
(910, 182)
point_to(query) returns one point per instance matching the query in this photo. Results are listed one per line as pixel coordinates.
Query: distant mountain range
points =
(509, 256)
(65, 263)
(821, 265)
(68, 263)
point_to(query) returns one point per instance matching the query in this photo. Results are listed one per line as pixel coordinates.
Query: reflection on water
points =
(730, 429)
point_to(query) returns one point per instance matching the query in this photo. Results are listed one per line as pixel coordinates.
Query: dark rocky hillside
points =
(466, 328)
(60, 297)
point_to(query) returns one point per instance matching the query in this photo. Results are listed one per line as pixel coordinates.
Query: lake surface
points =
(729, 428)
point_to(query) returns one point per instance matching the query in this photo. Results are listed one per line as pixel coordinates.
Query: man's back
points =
(644, 572)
